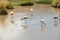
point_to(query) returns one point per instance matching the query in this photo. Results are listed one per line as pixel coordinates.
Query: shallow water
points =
(14, 31)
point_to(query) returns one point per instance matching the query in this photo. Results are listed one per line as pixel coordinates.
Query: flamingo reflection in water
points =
(31, 13)
(56, 21)
(43, 25)
(59, 18)
(24, 22)
(12, 13)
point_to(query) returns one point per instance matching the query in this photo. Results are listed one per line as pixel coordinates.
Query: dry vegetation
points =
(56, 3)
